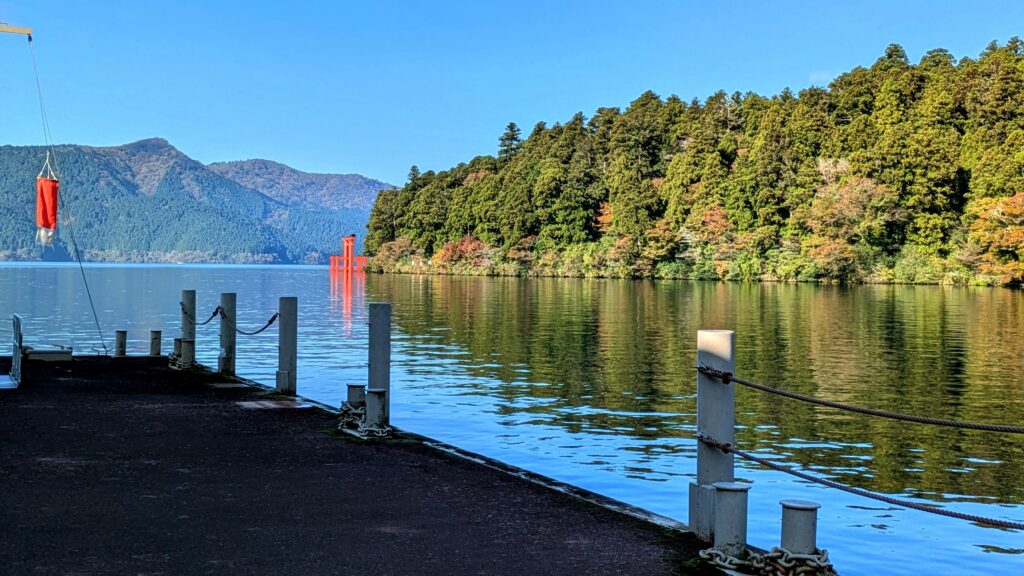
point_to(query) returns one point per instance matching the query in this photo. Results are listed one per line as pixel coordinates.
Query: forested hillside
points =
(148, 202)
(898, 172)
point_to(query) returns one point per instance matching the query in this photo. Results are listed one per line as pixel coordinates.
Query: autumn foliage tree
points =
(895, 171)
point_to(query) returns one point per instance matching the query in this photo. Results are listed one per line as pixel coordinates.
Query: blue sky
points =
(374, 87)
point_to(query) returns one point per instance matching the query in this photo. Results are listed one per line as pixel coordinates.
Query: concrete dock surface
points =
(123, 466)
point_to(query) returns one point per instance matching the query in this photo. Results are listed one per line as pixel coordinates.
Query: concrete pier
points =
(127, 467)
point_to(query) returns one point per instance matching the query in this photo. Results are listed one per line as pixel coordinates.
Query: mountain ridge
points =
(283, 182)
(147, 201)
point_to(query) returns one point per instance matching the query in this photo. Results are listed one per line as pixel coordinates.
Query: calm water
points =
(592, 382)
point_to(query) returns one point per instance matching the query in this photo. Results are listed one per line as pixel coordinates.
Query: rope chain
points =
(354, 418)
(728, 448)
(777, 562)
(218, 311)
(230, 323)
(350, 416)
(727, 377)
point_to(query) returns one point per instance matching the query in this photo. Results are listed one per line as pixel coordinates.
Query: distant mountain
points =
(147, 201)
(291, 186)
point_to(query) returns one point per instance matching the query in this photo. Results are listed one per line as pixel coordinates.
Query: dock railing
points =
(367, 409)
(717, 506)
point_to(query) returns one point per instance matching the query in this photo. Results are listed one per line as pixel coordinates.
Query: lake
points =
(592, 382)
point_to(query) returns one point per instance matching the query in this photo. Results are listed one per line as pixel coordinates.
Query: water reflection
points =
(602, 356)
(348, 291)
(592, 382)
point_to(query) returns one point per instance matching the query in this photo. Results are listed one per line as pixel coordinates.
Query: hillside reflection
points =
(616, 357)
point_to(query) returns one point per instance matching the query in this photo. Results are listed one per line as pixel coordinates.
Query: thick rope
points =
(60, 198)
(254, 332)
(728, 448)
(216, 311)
(727, 377)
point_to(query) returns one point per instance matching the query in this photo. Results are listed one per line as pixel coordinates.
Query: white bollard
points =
(380, 355)
(120, 343)
(155, 337)
(731, 518)
(356, 397)
(228, 338)
(376, 408)
(799, 526)
(716, 419)
(288, 344)
(188, 328)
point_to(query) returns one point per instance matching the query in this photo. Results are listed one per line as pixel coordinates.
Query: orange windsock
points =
(46, 209)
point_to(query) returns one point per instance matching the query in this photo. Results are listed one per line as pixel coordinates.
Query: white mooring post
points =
(120, 343)
(155, 337)
(226, 360)
(288, 344)
(188, 328)
(799, 526)
(380, 360)
(731, 518)
(715, 418)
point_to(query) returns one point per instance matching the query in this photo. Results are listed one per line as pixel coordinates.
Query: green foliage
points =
(898, 172)
(148, 202)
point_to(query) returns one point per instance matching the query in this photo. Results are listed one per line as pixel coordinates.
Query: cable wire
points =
(728, 448)
(727, 377)
(60, 198)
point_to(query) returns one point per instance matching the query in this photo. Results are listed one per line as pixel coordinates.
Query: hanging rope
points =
(254, 332)
(216, 312)
(54, 170)
(728, 448)
(727, 377)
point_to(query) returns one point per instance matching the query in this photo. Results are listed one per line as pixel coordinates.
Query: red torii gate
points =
(348, 261)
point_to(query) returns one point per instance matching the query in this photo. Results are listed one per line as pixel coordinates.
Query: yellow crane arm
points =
(15, 29)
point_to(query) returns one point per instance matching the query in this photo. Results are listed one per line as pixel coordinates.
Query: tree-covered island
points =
(893, 173)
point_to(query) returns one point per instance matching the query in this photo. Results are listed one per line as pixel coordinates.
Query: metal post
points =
(288, 343)
(731, 518)
(799, 526)
(17, 348)
(716, 419)
(380, 354)
(155, 337)
(120, 343)
(376, 408)
(356, 395)
(188, 328)
(226, 360)
(177, 348)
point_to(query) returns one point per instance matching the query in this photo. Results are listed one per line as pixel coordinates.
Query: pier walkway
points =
(122, 466)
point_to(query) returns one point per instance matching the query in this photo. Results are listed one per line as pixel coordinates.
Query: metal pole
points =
(226, 360)
(188, 328)
(120, 343)
(155, 337)
(288, 343)
(731, 518)
(715, 418)
(380, 354)
(376, 408)
(799, 526)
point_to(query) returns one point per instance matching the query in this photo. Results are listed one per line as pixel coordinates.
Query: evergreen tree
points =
(510, 143)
